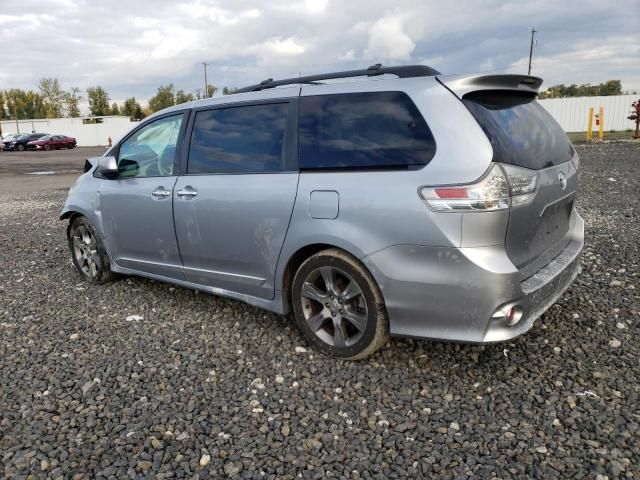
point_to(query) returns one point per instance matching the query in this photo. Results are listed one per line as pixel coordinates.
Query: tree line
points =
(52, 101)
(610, 87)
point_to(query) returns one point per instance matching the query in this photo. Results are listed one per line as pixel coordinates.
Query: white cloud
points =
(277, 46)
(388, 39)
(133, 47)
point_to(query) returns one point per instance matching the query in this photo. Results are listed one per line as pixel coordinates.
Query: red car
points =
(51, 142)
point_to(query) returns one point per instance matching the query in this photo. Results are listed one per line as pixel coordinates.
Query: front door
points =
(233, 206)
(137, 206)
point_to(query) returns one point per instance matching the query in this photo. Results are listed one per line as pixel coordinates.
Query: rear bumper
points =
(454, 293)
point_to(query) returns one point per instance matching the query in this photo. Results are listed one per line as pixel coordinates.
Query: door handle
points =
(187, 193)
(160, 192)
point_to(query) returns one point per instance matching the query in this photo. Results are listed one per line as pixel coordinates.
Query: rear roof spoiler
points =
(463, 84)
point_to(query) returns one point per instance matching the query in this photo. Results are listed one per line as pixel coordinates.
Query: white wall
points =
(572, 112)
(87, 135)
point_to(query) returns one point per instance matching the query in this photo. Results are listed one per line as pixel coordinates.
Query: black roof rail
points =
(404, 71)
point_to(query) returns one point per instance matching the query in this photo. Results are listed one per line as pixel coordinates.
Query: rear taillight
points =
(501, 187)
(523, 184)
(489, 193)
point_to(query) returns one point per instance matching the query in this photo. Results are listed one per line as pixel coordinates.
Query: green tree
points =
(182, 97)
(611, 87)
(211, 90)
(139, 114)
(163, 99)
(114, 109)
(98, 101)
(53, 96)
(229, 90)
(3, 112)
(72, 98)
(25, 104)
(132, 109)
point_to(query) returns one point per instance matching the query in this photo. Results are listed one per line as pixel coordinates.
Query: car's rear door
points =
(137, 206)
(233, 202)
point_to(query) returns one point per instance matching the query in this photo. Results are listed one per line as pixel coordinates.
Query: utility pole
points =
(533, 34)
(206, 85)
(15, 114)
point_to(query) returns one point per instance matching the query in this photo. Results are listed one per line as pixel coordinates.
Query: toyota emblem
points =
(563, 180)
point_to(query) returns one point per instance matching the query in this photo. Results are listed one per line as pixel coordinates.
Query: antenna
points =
(533, 34)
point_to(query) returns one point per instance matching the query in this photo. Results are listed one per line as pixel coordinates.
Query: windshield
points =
(521, 131)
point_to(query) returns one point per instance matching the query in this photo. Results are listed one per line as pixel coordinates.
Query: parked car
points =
(417, 204)
(7, 138)
(20, 142)
(52, 142)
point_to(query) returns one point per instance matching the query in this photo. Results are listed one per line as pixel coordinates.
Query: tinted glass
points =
(363, 130)
(239, 139)
(521, 131)
(150, 151)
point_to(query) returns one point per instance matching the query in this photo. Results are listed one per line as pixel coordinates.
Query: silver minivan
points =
(367, 203)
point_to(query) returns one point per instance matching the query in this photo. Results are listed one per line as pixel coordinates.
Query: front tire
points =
(88, 253)
(338, 305)
(20, 147)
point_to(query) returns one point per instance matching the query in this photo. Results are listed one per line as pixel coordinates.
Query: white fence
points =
(572, 113)
(86, 133)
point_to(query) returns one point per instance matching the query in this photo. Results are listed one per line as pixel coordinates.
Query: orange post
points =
(590, 124)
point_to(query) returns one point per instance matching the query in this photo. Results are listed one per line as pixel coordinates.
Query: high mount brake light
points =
(501, 187)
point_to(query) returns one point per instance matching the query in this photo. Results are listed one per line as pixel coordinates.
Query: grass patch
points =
(581, 137)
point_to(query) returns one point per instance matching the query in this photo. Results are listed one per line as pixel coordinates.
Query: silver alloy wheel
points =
(334, 307)
(85, 250)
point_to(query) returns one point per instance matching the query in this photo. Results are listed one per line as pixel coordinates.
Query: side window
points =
(150, 152)
(239, 139)
(363, 130)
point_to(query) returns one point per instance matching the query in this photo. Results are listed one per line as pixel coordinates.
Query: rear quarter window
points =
(520, 130)
(363, 130)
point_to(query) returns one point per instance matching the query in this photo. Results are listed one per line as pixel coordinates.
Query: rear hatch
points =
(523, 134)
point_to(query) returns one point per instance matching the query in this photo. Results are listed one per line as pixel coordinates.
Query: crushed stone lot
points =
(140, 379)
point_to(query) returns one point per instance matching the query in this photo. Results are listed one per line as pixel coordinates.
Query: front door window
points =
(151, 151)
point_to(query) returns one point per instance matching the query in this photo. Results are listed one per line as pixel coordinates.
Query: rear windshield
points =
(521, 131)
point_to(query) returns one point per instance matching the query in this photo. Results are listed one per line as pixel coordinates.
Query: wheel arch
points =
(296, 259)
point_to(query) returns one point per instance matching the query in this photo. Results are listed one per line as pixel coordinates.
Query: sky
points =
(132, 47)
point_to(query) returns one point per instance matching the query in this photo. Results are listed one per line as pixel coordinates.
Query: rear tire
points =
(338, 306)
(88, 253)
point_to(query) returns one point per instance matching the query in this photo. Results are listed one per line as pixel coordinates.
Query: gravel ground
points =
(142, 379)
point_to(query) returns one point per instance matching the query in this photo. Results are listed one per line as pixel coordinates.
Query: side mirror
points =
(107, 167)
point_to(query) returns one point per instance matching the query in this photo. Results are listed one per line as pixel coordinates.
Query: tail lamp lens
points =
(501, 187)
(490, 193)
(523, 184)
